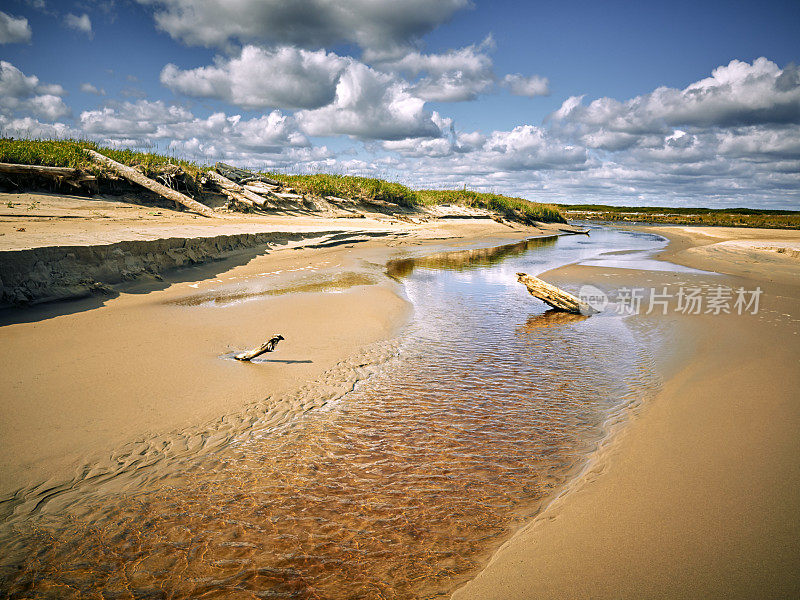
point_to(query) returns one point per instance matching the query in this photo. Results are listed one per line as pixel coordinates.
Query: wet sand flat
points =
(698, 496)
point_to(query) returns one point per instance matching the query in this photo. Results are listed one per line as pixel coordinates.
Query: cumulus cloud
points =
(82, 23)
(14, 30)
(453, 76)
(218, 136)
(283, 77)
(88, 88)
(532, 86)
(375, 25)
(24, 93)
(370, 105)
(731, 139)
(738, 94)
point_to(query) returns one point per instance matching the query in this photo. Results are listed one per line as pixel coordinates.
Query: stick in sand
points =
(265, 347)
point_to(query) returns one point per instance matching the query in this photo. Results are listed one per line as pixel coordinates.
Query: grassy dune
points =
(69, 153)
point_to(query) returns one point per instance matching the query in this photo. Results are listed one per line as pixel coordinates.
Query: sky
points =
(682, 103)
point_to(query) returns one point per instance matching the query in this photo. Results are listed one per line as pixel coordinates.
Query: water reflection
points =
(466, 259)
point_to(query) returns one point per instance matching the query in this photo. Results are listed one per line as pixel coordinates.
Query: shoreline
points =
(157, 392)
(663, 508)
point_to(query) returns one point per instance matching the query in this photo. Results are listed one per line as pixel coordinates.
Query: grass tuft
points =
(517, 209)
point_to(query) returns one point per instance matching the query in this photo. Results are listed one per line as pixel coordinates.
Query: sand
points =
(697, 495)
(109, 380)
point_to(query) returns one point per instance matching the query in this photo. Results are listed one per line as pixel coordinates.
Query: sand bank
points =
(698, 495)
(108, 381)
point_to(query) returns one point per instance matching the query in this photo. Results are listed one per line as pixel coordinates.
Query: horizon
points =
(688, 106)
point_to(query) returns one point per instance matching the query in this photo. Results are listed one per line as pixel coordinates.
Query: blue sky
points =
(680, 103)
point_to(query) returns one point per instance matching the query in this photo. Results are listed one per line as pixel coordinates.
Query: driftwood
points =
(74, 177)
(553, 296)
(135, 176)
(268, 346)
(241, 175)
(237, 191)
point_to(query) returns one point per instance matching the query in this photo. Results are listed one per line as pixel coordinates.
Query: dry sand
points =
(698, 495)
(104, 382)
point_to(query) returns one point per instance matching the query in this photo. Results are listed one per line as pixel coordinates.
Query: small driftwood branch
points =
(236, 190)
(553, 296)
(136, 177)
(268, 346)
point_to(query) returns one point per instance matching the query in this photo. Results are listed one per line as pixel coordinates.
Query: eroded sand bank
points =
(698, 496)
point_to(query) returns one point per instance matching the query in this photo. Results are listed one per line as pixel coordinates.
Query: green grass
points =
(511, 207)
(347, 186)
(69, 153)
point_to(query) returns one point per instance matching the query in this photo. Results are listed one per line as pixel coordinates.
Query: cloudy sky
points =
(686, 103)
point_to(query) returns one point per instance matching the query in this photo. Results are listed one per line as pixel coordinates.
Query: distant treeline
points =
(724, 217)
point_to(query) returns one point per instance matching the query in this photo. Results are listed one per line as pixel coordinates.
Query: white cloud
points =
(453, 76)
(14, 30)
(370, 105)
(381, 25)
(81, 23)
(27, 127)
(738, 94)
(532, 86)
(88, 88)
(24, 93)
(144, 123)
(283, 77)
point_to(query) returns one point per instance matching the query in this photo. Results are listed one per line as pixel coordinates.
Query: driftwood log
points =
(74, 177)
(242, 175)
(241, 194)
(553, 296)
(268, 346)
(136, 177)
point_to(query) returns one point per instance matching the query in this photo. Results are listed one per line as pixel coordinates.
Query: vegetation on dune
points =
(721, 217)
(348, 186)
(513, 208)
(69, 153)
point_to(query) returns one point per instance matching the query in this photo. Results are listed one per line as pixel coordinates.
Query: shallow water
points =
(401, 488)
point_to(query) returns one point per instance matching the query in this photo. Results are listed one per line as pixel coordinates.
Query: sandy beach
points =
(105, 380)
(693, 493)
(698, 494)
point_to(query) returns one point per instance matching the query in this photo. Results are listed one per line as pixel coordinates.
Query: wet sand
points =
(91, 384)
(698, 494)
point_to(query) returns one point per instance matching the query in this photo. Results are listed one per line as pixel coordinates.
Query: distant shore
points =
(698, 496)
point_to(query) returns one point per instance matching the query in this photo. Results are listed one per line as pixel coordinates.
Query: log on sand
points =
(237, 191)
(268, 346)
(553, 296)
(136, 177)
(72, 176)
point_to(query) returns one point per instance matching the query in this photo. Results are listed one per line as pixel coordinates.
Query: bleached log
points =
(553, 296)
(260, 188)
(236, 190)
(284, 196)
(57, 172)
(267, 346)
(242, 175)
(136, 177)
